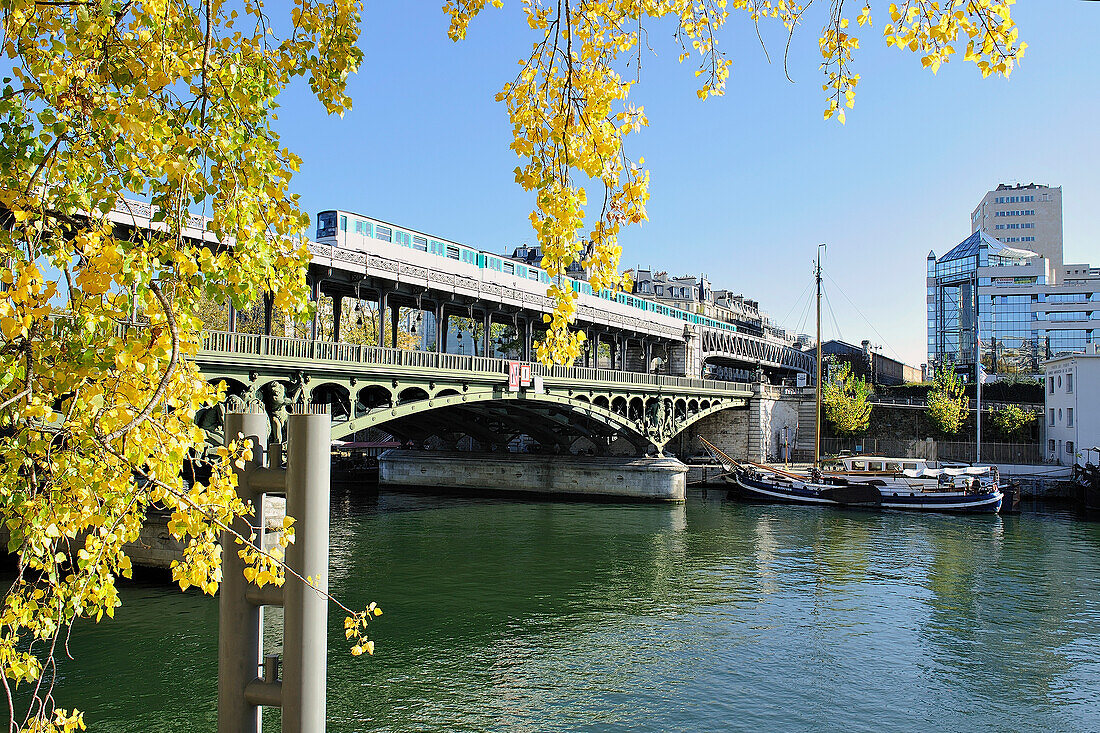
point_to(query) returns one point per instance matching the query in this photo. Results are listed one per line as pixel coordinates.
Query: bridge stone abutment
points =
(776, 417)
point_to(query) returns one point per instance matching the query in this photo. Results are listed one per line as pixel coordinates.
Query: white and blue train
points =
(356, 232)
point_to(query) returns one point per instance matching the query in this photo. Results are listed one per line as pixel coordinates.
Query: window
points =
(420, 243)
(1050, 445)
(1051, 381)
(1059, 413)
(1069, 447)
(402, 238)
(1051, 421)
(509, 268)
(383, 233)
(1059, 381)
(660, 289)
(1069, 384)
(343, 223)
(532, 274)
(1069, 417)
(452, 252)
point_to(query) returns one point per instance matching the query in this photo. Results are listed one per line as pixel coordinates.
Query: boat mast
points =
(817, 384)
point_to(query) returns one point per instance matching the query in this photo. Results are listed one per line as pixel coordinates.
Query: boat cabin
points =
(877, 464)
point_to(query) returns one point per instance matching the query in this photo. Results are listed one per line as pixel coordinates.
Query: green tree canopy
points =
(947, 404)
(847, 400)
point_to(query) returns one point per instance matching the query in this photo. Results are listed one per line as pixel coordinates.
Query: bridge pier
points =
(562, 476)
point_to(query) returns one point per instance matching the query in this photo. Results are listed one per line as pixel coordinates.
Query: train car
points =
(351, 231)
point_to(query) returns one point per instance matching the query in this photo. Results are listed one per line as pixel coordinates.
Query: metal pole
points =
(240, 623)
(978, 370)
(305, 611)
(817, 392)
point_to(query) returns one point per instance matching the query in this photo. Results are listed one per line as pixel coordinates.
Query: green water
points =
(711, 616)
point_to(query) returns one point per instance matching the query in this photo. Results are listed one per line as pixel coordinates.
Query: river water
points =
(714, 615)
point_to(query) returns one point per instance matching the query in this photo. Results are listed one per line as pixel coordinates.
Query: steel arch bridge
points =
(751, 350)
(417, 396)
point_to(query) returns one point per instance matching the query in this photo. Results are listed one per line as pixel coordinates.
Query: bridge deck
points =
(286, 352)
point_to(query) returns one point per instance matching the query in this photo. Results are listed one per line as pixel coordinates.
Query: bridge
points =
(638, 387)
(433, 399)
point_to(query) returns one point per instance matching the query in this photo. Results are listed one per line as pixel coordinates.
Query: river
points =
(714, 615)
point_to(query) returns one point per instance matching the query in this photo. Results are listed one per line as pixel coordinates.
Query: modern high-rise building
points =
(1026, 216)
(1001, 297)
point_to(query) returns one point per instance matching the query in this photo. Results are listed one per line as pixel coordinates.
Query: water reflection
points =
(714, 615)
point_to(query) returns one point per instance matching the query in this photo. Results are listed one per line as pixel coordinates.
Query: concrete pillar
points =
(240, 623)
(337, 315)
(648, 349)
(486, 324)
(232, 318)
(305, 609)
(528, 338)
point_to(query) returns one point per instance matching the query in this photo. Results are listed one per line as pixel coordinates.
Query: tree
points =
(571, 110)
(947, 404)
(173, 101)
(847, 400)
(1012, 421)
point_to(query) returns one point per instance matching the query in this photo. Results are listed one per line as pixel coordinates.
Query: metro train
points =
(346, 230)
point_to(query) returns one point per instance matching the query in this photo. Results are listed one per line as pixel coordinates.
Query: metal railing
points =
(936, 450)
(222, 342)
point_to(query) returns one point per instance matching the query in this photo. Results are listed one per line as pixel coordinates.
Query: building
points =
(866, 363)
(1004, 296)
(1072, 389)
(696, 294)
(1028, 216)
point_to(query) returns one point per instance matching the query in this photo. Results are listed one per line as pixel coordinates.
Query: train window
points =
(509, 268)
(452, 252)
(521, 270)
(533, 274)
(343, 223)
(420, 243)
(383, 233)
(494, 264)
(326, 224)
(402, 238)
(436, 247)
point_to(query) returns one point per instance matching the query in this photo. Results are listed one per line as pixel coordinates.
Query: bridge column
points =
(232, 318)
(315, 323)
(440, 330)
(528, 338)
(395, 312)
(647, 347)
(383, 299)
(269, 308)
(486, 323)
(337, 314)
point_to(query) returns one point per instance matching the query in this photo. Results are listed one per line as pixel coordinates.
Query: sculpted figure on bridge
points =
(278, 403)
(659, 420)
(212, 419)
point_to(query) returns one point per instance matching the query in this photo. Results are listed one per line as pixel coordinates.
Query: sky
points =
(743, 187)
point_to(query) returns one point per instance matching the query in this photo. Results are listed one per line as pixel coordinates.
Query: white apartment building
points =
(1027, 216)
(1072, 388)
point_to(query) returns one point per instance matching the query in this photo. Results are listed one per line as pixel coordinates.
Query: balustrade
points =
(220, 342)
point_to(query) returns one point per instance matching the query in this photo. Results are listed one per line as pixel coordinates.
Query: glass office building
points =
(983, 289)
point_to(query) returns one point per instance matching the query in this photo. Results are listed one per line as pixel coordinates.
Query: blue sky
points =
(744, 186)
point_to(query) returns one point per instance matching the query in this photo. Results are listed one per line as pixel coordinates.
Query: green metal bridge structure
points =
(436, 399)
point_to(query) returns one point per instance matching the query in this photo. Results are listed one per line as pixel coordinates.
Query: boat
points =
(961, 489)
(868, 481)
(1087, 479)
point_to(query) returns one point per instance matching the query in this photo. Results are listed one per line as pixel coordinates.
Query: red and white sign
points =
(525, 375)
(513, 376)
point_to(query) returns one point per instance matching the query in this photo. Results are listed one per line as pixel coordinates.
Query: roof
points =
(969, 248)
